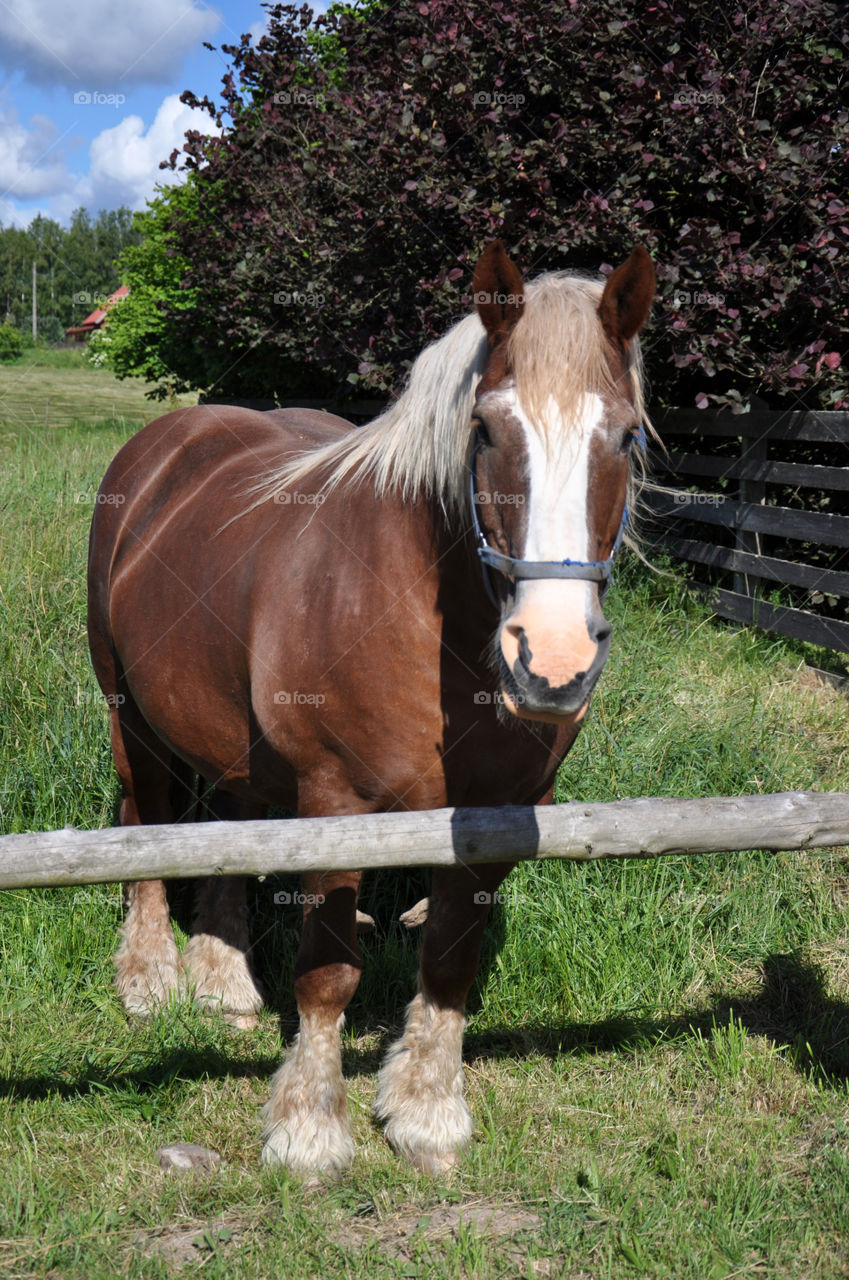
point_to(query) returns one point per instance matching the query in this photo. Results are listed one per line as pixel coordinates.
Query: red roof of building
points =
(95, 320)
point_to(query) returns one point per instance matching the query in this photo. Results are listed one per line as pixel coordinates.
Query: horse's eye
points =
(482, 432)
(629, 437)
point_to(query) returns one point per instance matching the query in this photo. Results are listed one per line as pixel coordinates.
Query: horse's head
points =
(555, 415)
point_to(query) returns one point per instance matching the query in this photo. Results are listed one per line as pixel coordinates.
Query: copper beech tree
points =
(362, 151)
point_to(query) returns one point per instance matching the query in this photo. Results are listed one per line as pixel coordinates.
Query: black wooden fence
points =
(760, 503)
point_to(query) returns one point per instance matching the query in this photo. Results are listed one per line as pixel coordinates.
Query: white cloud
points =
(257, 30)
(123, 163)
(125, 159)
(32, 164)
(98, 45)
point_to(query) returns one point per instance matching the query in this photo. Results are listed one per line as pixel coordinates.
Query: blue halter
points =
(589, 570)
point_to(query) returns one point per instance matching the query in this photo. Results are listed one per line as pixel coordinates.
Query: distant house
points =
(97, 319)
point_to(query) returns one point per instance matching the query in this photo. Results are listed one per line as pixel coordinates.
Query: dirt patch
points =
(178, 1246)
(398, 1235)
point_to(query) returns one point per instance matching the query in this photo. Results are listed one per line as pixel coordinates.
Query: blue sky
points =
(89, 96)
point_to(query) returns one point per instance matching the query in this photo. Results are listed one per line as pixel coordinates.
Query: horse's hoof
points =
(242, 1021)
(433, 1163)
(146, 991)
(416, 915)
(328, 1152)
(221, 980)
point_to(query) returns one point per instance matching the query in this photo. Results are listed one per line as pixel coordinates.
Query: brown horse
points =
(337, 621)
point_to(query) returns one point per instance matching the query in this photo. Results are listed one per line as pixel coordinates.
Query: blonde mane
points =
(420, 445)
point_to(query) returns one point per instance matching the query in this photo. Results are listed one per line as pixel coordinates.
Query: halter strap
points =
(511, 567)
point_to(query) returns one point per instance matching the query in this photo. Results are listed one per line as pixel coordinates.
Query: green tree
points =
(139, 341)
(347, 196)
(47, 237)
(76, 267)
(363, 161)
(15, 275)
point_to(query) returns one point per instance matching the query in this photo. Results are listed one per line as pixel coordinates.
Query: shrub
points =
(11, 342)
(51, 330)
(362, 169)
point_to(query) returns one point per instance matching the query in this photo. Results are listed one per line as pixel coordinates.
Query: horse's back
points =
(219, 450)
(225, 431)
(312, 426)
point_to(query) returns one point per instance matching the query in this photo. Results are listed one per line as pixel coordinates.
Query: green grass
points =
(657, 1056)
(50, 387)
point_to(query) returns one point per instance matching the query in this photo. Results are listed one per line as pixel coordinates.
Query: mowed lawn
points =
(53, 388)
(658, 1051)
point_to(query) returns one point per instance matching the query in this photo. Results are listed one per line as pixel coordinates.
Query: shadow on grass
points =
(793, 1010)
(195, 1063)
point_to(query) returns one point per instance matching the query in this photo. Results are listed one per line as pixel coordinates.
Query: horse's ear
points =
(499, 292)
(627, 296)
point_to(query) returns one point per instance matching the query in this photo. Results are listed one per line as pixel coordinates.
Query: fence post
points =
(751, 490)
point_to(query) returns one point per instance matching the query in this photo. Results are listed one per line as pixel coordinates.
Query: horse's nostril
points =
(525, 654)
(519, 634)
(600, 630)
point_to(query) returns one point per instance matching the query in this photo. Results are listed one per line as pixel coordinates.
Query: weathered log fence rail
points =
(644, 828)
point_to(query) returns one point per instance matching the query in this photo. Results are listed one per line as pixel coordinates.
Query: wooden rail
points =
(644, 828)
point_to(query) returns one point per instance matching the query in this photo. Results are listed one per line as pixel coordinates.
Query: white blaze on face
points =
(554, 613)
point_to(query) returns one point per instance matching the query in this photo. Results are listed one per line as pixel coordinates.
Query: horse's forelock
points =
(559, 352)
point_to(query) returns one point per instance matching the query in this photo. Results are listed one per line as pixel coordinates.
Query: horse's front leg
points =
(306, 1119)
(420, 1088)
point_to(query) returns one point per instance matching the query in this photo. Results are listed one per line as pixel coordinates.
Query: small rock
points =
(181, 1156)
(364, 922)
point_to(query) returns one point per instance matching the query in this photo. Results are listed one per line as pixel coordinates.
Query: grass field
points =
(658, 1052)
(51, 387)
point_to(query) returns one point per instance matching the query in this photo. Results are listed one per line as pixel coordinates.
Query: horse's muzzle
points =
(531, 695)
